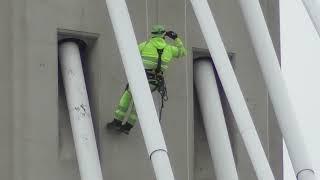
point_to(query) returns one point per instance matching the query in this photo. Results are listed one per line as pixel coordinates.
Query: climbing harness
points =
(155, 77)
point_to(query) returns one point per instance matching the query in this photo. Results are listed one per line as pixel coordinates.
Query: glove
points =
(172, 35)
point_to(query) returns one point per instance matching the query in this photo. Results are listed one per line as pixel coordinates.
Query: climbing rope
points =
(157, 80)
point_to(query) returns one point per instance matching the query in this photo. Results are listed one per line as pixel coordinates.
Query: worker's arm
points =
(141, 46)
(178, 49)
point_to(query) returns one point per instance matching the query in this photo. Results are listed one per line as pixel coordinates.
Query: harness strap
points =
(156, 77)
(159, 83)
(160, 52)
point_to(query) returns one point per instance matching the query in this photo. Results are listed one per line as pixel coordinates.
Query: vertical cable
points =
(147, 19)
(157, 11)
(187, 85)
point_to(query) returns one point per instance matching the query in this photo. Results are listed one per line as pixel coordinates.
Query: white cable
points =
(147, 18)
(79, 112)
(232, 89)
(187, 86)
(313, 9)
(270, 68)
(139, 86)
(214, 120)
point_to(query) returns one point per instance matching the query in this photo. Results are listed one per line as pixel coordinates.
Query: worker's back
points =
(149, 52)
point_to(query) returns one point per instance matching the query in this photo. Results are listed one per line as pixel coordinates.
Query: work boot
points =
(126, 128)
(115, 124)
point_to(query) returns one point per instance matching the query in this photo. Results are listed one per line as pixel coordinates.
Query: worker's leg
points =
(121, 110)
(133, 118)
(131, 121)
(123, 105)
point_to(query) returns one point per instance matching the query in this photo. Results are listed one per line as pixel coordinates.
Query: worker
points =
(156, 54)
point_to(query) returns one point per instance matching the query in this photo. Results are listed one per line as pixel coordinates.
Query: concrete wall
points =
(35, 131)
(5, 92)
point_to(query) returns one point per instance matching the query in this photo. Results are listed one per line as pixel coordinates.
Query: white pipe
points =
(313, 8)
(79, 111)
(276, 85)
(232, 89)
(214, 121)
(139, 86)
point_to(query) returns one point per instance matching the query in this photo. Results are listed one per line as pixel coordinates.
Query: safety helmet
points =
(158, 30)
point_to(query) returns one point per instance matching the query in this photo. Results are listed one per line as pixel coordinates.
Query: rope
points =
(162, 89)
(158, 81)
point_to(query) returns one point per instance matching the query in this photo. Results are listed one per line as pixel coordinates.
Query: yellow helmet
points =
(158, 30)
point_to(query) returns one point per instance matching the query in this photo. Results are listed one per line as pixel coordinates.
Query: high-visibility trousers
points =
(124, 105)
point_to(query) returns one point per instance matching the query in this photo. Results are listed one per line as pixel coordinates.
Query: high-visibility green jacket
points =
(149, 53)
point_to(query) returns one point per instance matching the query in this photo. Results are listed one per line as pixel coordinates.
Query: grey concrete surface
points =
(35, 134)
(5, 92)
